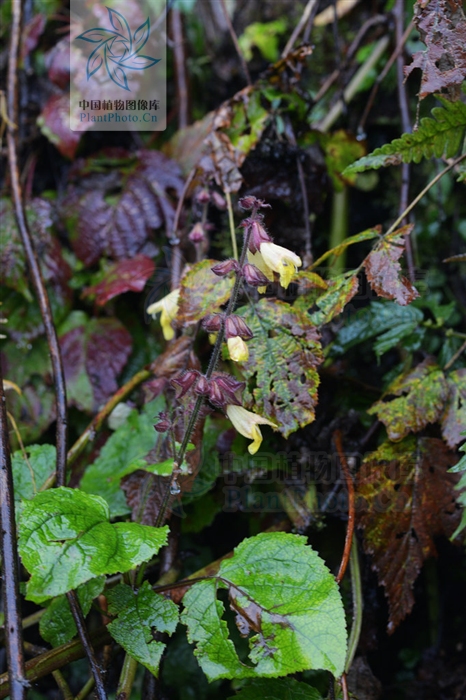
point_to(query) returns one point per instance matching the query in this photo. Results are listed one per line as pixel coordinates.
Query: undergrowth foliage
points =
(204, 387)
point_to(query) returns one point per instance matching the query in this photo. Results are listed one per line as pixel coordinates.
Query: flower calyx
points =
(250, 202)
(253, 276)
(224, 389)
(257, 232)
(212, 323)
(224, 268)
(164, 423)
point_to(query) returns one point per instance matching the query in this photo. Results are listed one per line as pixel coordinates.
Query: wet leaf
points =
(283, 358)
(286, 601)
(339, 293)
(122, 454)
(421, 393)
(405, 499)
(383, 269)
(442, 27)
(125, 276)
(57, 625)
(117, 202)
(66, 539)
(277, 689)
(139, 616)
(202, 292)
(454, 418)
(339, 249)
(54, 122)
(94, 353)
(32, 469)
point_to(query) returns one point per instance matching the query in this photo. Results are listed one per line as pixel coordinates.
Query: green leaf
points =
(264, 35)
(31, 472)
(421, 393)
(66, 539)
(140, 615)
(202, 292)
(454, 419)
(122, 454)
(340, 149)
(367, 235)
(461, 487)
(283, 356)
(390, 321)
(437, 137)
(339, 293)
(277, 689)
(284, 597)
(57, 625)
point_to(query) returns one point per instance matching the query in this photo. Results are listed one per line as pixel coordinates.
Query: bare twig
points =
(31, 255)
(399, 11)
(344, 687)
(308, 10)
(10, 583)
(453, 359)
(80, 622)
(350, 486)
(180, 68)
(234, 39)
(174, 238)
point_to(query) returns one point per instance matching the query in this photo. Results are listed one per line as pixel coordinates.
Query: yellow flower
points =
(238, 349)
(274, 258)
(169, 308)
(247, 423)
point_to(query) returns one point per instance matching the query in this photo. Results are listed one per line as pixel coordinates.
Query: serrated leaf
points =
(383, 269)
(94, 352)
(461, 487)
(283, 358)
(277, 689)
(405, 499)
(57, 625)
(437, 137)
(66, 539)
(122, 454)
(421, 393)
(340, 291)
(454, 419)
(139, 616)
(202, 292)
(32, 469)
(284, 596)
(388, 320)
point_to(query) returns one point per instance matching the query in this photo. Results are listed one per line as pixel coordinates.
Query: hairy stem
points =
(358, 606)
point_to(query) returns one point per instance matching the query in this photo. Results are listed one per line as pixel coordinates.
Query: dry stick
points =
(31, 256)
(174, 238)
(382, 76)
(405, 125)
(80, 622)
(308, 10)
(453, 359)
(10, 588)
(234, 39)
(350, 527)
(180, 66)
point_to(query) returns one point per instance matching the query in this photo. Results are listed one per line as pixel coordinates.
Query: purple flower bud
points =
(202, 387)
(197, 233)
(164, 423)
(257, 233)
(219, 201)
(203, 196)
(212, 323)
(223, 390)
(215, 395)
(251, 202)
(235, 326)
(224, 268)
(253, 276)
(185, 381)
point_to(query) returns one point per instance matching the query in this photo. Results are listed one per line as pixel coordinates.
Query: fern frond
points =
(439, 136)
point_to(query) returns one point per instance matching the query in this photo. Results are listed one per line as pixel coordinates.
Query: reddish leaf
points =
(94, 353)
(383, 269)
(454, 419)
(57, 62)
(406, 499)
(120, 225)
(31, 34)
(442, 26)
(424, 392)
(54, 122)
(125, 276)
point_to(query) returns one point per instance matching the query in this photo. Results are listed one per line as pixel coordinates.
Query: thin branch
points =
(308, 10)
(10, 583)
(180, 68)
(127, 676)
(358, 606)
(174, 237)
(399, 12)
(453, 359)
(28, 244)
(350, 486)
(231, 222)
(234, 39)
(344, 687)
(80, 622)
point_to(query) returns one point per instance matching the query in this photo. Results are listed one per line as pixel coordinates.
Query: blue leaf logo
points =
(118, 49)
